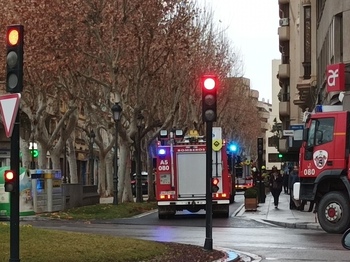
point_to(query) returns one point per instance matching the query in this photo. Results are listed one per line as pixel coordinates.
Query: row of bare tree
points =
(82, 56)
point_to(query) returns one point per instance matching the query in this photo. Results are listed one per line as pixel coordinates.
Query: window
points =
(321, 131)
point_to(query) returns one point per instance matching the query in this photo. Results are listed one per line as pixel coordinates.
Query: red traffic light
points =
(209, 83)
(215, 185)
(13, 35)
(209, 86)
(9, 176)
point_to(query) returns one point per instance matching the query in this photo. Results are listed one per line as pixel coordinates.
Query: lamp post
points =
(92, 140)
(139, 124)
(116, 110)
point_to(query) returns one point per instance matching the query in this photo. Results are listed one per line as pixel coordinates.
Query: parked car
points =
(346, 239)
(144, 180)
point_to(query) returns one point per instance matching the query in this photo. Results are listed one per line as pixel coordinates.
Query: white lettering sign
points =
(333, 75)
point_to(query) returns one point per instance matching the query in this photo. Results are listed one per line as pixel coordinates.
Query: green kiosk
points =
(26, 207)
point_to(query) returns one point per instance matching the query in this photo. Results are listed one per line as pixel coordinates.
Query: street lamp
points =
(116, 110)
(140, 122)
(92, 141)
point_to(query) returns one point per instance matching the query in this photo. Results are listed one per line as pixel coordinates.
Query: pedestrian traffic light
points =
(209, 85)
(14, 59)
(9, 176)
(214, 185)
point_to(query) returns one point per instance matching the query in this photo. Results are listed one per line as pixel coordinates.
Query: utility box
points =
(47, 190)
(26, 207)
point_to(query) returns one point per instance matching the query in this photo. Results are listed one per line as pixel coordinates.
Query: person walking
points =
(266, 179)
(276, 183)
(294, 177)
(286, 181)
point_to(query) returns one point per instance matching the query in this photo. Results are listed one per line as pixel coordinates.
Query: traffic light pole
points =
(14, 197)
(208, 244)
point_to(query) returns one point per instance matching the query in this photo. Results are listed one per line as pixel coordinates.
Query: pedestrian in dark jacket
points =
(276, 183)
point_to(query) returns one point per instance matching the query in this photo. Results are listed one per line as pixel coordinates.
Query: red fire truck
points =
(181, 174)
(324, 169)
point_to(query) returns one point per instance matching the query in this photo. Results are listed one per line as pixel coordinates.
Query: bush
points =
(251, 193)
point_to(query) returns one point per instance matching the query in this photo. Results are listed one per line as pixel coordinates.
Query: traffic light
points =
(9, 176)
(214, 185)
(260, 146)
(209, 85)
(34, 153)
(280, 156)
(14, 59)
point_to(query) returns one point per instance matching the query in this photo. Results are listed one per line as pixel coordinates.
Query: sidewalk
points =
(282, 216)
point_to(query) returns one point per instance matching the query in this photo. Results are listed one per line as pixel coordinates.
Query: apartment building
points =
(315, 58)
(297, 72)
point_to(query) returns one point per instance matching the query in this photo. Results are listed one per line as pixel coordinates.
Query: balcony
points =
(254, 93)
(264, 115)
(284, 109)
(265, 126)
(283, 33)
(283, 71)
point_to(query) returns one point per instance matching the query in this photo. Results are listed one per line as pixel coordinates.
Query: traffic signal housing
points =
(214, 185)
(209, 85)
(260, 146)
(14, 59)
(9, 177)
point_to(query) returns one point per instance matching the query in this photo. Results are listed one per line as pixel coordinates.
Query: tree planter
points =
(251, 199)
(251, 204)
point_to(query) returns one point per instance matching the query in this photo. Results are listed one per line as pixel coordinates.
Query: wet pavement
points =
(282, 216)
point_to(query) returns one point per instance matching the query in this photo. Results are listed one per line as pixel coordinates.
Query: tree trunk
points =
(124, 171)
(72, 162)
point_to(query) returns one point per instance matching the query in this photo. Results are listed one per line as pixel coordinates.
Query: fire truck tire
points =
(232, 199)
(333, 212)
(163, 214)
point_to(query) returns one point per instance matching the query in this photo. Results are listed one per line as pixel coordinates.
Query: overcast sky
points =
(252, 28)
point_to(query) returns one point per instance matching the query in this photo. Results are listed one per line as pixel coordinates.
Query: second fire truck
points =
(324, 168)
(181, 174)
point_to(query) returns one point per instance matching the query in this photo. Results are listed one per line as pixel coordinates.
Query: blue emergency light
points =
(161, 151)
(233, 147)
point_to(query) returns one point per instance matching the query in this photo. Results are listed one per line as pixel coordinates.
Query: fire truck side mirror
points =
(305, 134)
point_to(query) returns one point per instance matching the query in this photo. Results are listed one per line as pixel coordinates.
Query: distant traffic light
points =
(34, 153)
(214, 185)
(280, 156)
(260, 146)
(209, 85)
(9, 176)
(14, 59)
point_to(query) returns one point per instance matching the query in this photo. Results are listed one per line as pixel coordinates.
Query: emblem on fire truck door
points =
(320, 158)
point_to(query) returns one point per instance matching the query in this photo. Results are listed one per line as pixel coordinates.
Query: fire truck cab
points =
(324, 170)
(181, 174)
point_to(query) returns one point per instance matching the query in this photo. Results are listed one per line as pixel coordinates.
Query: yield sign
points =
(9, 107)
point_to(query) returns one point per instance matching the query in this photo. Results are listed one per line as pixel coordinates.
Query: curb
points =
(305, 225)
(230, 255)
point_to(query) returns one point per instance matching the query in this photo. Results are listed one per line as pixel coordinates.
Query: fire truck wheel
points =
(232, 199)
(334, 212)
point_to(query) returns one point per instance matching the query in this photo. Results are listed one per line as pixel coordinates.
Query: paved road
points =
(259, 241)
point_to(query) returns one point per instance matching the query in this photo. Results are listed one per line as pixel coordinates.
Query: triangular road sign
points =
(9, 107)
